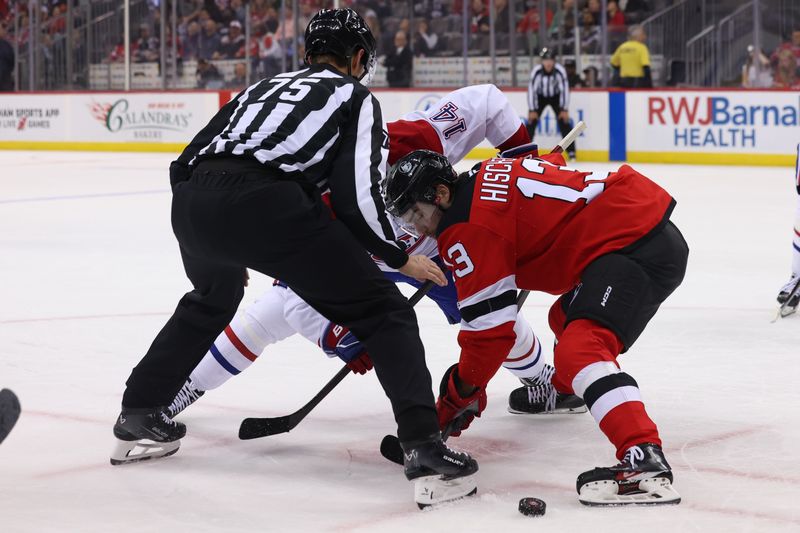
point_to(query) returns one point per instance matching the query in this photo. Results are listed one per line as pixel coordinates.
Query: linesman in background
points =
(549, 86)
(247, 193)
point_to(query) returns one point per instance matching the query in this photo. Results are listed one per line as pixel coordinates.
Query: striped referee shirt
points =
(551, 84)
(315, 125)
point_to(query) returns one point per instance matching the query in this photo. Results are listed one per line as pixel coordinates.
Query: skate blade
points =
(433, 490)
(653, 491)
(562, 411)
(783, 312)
(133, 451)
(9, 412)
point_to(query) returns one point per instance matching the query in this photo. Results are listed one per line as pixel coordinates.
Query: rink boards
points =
(661, 126)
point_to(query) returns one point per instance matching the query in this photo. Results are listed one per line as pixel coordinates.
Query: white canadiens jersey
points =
(457, 123)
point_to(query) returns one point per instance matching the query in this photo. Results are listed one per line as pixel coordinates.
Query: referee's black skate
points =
(144, 434)
(544, 400)
(643, 477)
(439, 473)
(185, 397)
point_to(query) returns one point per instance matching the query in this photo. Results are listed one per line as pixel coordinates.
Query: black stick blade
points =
(391, 449)
(253, 428)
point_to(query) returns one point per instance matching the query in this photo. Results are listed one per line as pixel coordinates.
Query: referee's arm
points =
(533, 90)
(355, 181)
(563, 85)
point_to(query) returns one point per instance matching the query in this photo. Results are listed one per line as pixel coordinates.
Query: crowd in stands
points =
(781, 70)
(214, 30)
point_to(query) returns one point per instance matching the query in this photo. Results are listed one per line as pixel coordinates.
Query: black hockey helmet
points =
(414, 178)
(546, 53)
(340, 32)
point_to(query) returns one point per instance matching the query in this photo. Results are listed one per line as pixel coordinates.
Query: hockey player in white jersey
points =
(453, 126)
(789, 295)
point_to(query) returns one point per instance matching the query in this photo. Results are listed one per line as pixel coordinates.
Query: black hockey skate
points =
(789, 297)
(145, 434)
(643, 477)
(439, 473)
(9, 412)
(185, 397)
(543, 400)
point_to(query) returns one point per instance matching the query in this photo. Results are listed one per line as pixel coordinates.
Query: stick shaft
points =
(253, 428)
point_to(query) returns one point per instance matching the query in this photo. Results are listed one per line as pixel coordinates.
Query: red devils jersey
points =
(534, 224)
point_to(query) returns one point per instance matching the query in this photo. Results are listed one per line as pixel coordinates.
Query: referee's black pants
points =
(563, 125)
(230, 215)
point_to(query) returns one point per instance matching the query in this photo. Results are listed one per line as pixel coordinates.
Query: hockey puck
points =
(532, 507)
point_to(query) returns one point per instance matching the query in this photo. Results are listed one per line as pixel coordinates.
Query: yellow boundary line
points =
(691, 158)
(93, 146)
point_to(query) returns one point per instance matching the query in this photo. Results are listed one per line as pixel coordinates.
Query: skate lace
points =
(167, 420)
(545, 394)
(186, 397)
(633, 455)
(544, 377)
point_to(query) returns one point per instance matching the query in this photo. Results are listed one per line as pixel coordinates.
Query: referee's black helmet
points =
(340, 32)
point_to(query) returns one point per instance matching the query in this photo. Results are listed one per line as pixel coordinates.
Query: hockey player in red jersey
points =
(454, 125)
(602, 241)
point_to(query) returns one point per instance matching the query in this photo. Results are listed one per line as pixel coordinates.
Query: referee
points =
(549, 86)
(247, 193)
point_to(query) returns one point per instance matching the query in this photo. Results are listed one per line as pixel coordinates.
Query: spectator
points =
(636, 8)
(286, 28)
(258, 11)
(399, 62)
(429, 9)
(479, 20)
(237, 6)
(595, 9)
(270, 52)
(208, 77)
(631, 61)
(616, 18)
(232, 45)
(792, 46)
(530, 20)
(371, 19)
(564, 17)
(756, 71)
(146, 48)
(501, 24)
(239, 80)
(191, 48)
(209, 40)
(786, 74)
(616, 24)
(6, 62)
(591, 77)
(573, 78)
(590, 34)
(427, 42)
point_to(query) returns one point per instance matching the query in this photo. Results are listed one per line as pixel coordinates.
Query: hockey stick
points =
(253, 428)
(390, 445)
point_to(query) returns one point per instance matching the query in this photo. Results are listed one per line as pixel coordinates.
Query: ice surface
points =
(89, 272)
